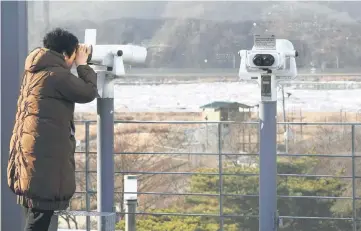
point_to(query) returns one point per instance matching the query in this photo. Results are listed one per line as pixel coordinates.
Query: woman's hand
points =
(81, 55)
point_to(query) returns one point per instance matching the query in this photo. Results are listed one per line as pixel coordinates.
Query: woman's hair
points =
(61, 41)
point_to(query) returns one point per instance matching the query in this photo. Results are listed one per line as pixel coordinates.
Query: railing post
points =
(220, 170)
(354, 215)
(131, 202)
(87, 198)
(130, 221)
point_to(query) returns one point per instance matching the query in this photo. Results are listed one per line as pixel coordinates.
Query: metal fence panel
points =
(169, 157)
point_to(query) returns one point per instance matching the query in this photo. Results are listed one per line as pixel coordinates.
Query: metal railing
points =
(198, 145)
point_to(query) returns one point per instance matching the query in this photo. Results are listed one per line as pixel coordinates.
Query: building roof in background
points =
(225, 104)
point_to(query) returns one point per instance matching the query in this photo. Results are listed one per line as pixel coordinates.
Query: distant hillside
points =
(219, 11)
(209, 34)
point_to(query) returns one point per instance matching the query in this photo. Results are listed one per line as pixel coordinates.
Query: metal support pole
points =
(105, 158)
(130, 221)
(354, 212)
(287, 137)
(286, 126)
(87, 198)
(283, 106)
(220, 166)
(268, 167)
(14, 48)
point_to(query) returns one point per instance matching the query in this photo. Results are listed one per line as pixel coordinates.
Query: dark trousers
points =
(37, 220)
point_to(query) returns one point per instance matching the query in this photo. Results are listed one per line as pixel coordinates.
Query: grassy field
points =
(296, 116)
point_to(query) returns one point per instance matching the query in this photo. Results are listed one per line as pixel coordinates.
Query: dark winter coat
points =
(41, 167)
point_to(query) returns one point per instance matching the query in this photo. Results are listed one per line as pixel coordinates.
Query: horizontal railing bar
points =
(234, 154)
(317, 218)
(231, 215)
(184, 153)
(226, 154)
(236, 195)
(316, 155)
(186, 214)
(179, 173)
(322, 123)
(223, 174)
(168, 122)
(217, 195)
(84, 121)
(182, 122)
(219, 122)
(316, 197)
(322, 176)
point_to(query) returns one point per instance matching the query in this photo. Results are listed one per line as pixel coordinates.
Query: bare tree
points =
(70, 219)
